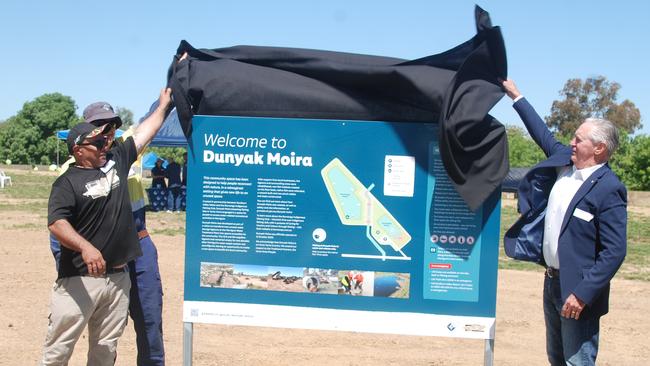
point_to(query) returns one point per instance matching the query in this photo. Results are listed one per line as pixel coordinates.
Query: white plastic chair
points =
(4, 179)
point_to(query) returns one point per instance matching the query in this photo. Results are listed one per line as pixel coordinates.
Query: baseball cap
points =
(82, 131)
(101, 111)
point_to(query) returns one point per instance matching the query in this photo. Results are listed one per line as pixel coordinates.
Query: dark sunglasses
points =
(99, 142)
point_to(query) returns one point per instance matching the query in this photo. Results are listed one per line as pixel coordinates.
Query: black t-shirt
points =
(158, 182)
(173, 173)
(97, 205)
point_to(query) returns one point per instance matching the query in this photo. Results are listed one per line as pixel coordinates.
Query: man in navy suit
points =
(574, 223)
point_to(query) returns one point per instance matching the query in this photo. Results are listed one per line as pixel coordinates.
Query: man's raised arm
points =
(146, 130)
(536, 127)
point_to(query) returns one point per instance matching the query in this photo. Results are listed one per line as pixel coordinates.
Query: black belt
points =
(552, 272)
(122, 269)
(112, 270)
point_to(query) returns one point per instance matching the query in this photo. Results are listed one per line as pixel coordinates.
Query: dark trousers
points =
(568, 341)
(174, 200)
(146, 305)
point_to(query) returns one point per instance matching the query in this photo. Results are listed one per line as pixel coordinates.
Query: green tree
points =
(169, 152)
(29, 136)
(126, 116)
(522, 150)
(632, 162)
(593, 97)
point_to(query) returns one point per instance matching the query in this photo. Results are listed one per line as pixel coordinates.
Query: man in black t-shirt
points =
(93, 200)
(89, 212)
(173, 173)
(158, 175)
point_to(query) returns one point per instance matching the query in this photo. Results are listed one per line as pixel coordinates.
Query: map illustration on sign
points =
(356, 206)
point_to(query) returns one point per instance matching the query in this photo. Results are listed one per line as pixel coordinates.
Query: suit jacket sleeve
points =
(537, 128)
(611, 247)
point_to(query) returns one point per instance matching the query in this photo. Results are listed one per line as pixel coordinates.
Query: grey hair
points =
(604, 131)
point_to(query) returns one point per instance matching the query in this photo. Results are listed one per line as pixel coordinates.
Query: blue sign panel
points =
(324, 224)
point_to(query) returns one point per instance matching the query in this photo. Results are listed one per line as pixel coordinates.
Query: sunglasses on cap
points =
(98, 142)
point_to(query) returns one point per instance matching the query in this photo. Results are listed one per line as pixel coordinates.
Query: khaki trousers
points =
(101, 303)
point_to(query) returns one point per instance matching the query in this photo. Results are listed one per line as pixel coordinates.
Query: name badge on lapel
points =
(583, 215)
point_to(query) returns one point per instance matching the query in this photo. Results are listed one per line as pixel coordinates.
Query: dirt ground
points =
(27, 273)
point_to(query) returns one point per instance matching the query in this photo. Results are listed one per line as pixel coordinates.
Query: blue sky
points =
(119, 51)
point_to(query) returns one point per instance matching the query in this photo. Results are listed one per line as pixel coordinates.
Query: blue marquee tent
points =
(170, 134)
(149, 160)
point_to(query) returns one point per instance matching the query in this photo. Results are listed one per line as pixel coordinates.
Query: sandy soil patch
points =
(27, 273)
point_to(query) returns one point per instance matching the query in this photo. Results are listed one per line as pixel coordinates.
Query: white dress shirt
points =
(568, 182)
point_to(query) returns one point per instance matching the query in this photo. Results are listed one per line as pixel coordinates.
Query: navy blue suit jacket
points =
(592, 248)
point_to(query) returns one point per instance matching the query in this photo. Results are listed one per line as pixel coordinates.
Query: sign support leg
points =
(187, 344)
(488, 359)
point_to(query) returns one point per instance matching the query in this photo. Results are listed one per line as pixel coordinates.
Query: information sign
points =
(337, 225)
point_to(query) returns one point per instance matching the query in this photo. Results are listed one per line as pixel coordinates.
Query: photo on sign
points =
(236, 276)
(286, 279)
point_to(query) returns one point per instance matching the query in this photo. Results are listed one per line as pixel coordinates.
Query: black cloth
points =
(456, 88)
(173, 173)
(158, 171)
(96, 203)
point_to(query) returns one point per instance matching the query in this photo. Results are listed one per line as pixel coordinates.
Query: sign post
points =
(188, 335)
(334, 225)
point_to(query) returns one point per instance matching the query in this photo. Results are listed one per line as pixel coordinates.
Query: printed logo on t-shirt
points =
(103, 186)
